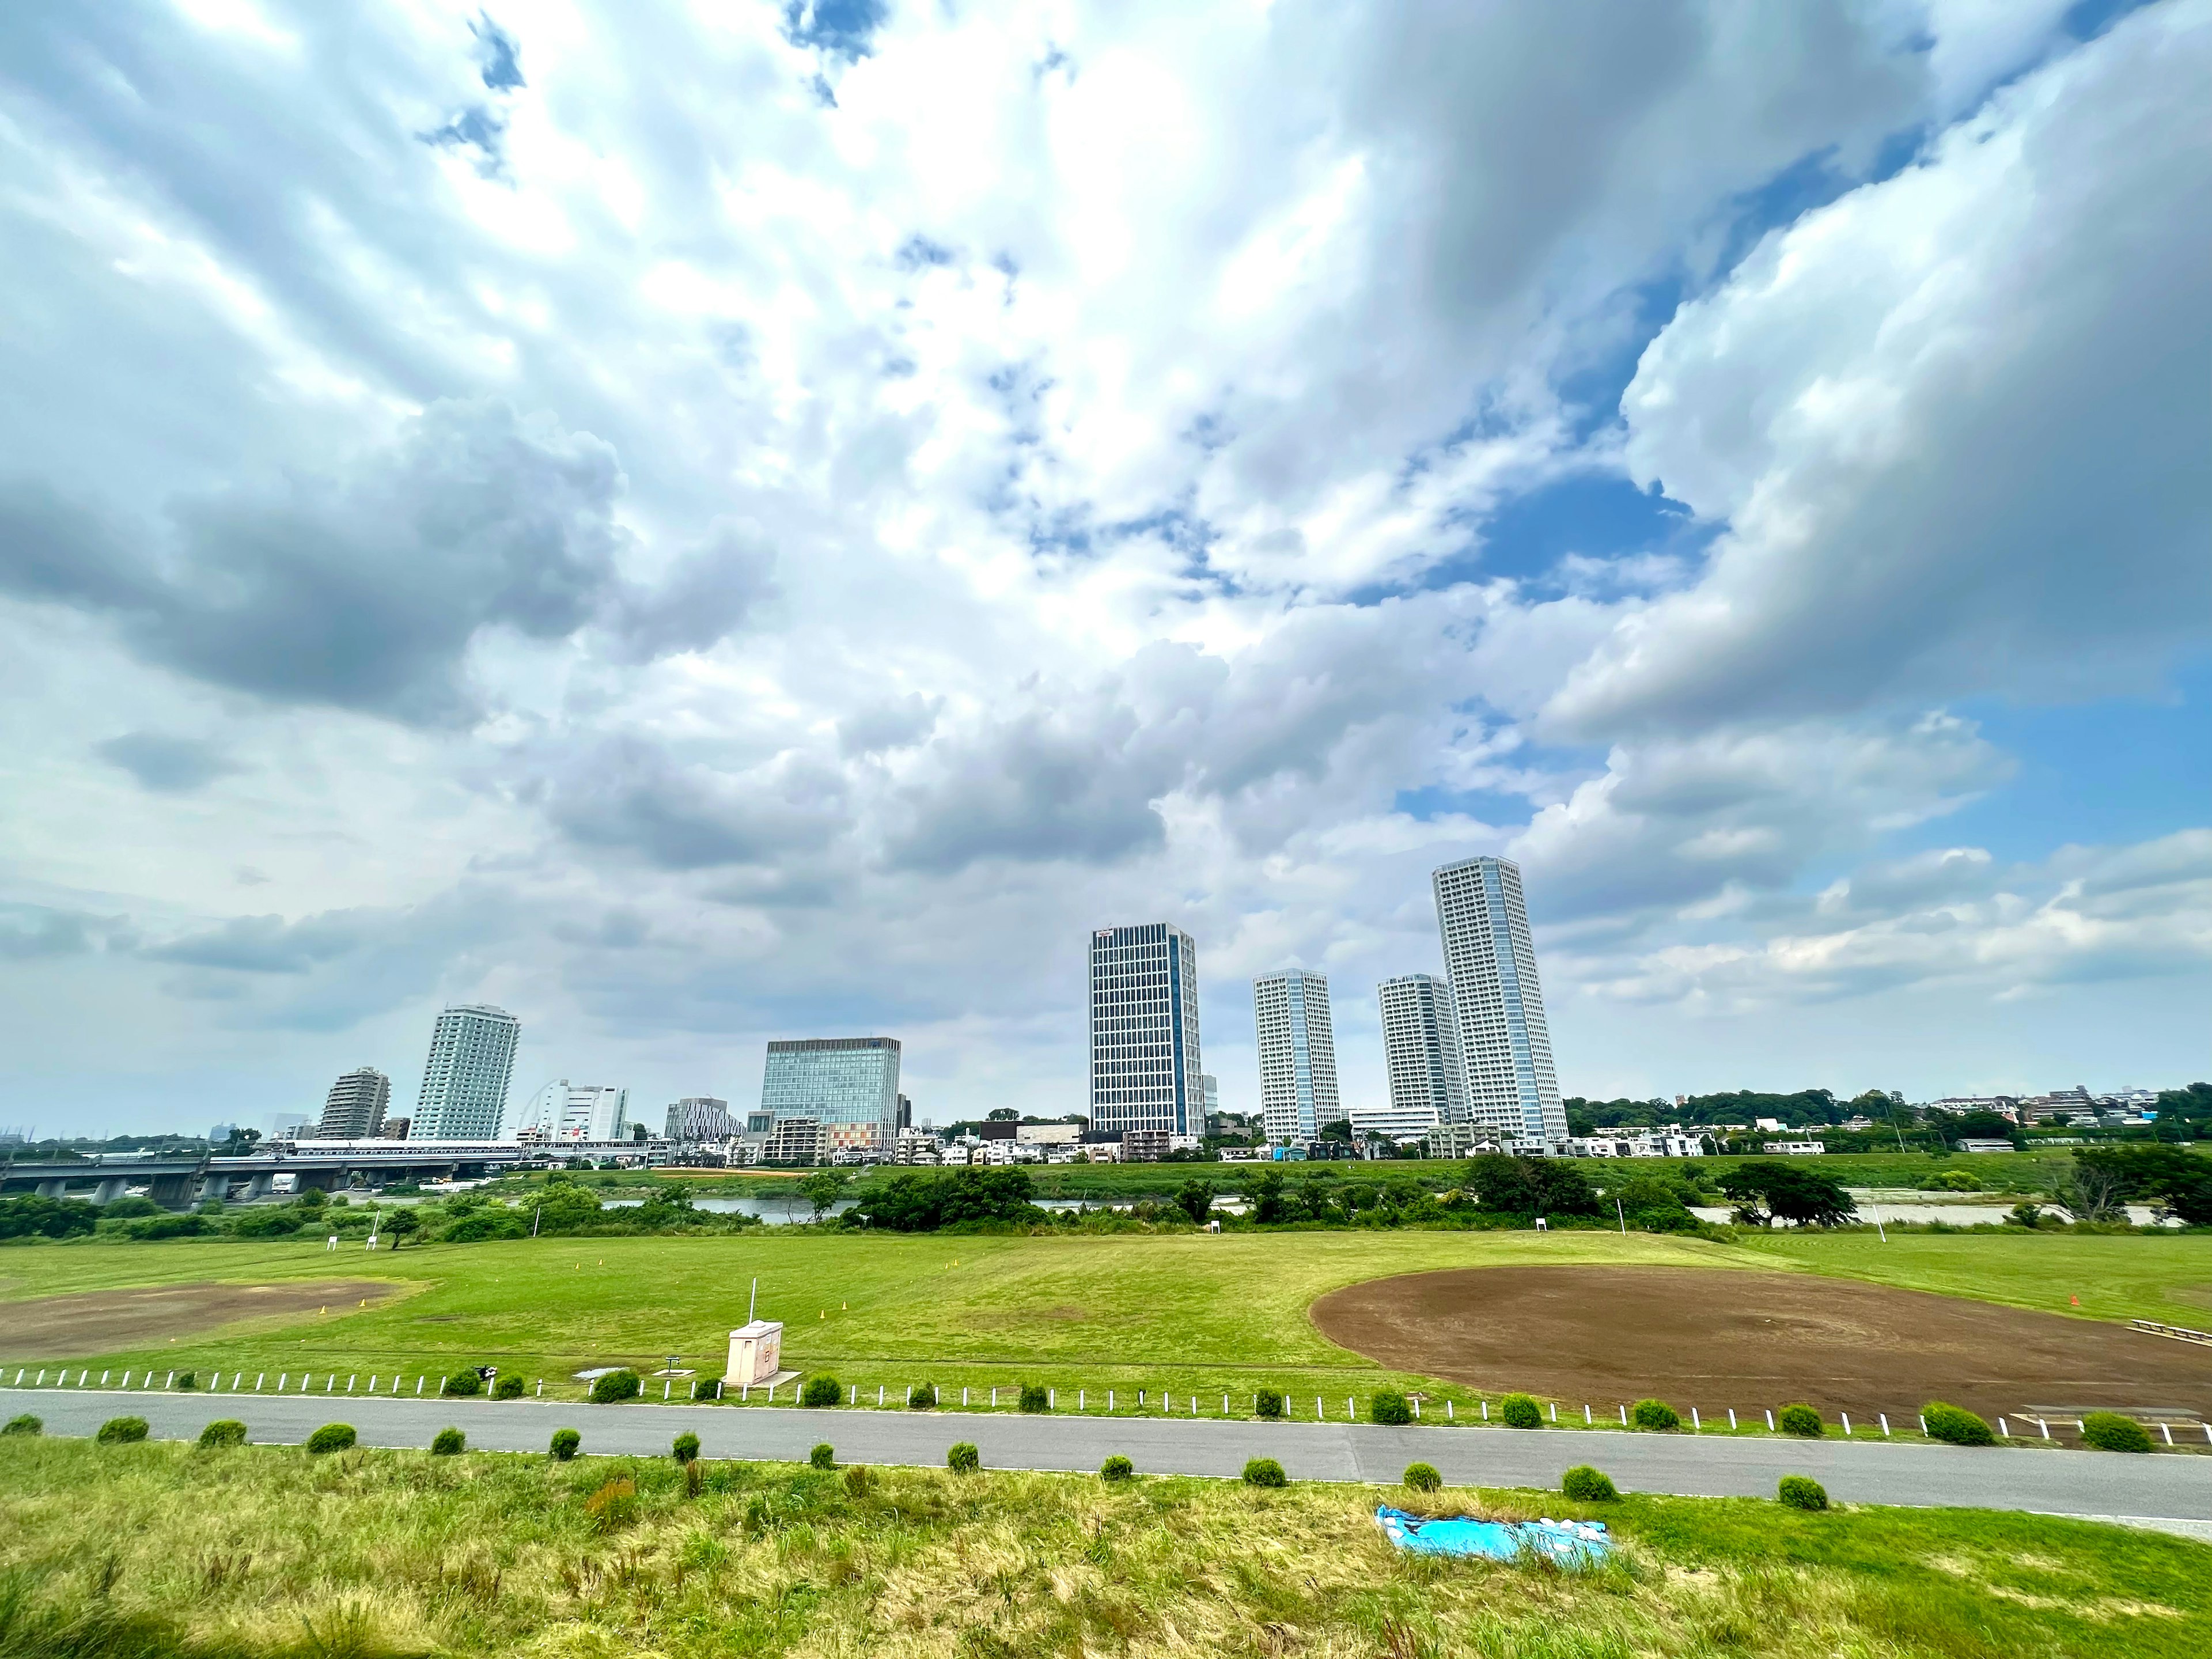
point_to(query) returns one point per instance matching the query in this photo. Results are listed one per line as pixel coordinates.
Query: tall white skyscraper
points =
(1143, 1031)
(1298, 1054)
(1421, 1050)
(463, 1094)
(1505, 1047)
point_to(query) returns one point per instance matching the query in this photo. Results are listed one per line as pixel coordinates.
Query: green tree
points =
(1770, 1191)
(1195, 1199)
(1264, 1192)
(402, 1224)
(823, 1190)
(1531, 1186)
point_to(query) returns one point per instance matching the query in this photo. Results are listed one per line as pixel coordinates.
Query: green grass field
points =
(264, 1554)
(1190, 1314)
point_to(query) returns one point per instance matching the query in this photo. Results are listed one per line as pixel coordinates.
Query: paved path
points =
(2100, 1484)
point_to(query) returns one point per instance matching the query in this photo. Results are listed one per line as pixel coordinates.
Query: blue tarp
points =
(1570, 1543)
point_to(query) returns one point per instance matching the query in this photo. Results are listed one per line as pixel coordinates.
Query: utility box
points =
(755, 1353)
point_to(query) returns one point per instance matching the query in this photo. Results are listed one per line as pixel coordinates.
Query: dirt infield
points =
(102, 1322)
(1715, 1339)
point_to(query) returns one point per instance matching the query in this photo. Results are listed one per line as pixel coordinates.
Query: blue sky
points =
(703, 531)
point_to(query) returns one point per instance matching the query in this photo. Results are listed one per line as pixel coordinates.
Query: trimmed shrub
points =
(711, 1388)
(463, 1385)
(1956, 1424)
(2110, 1432)
(1117, 1468)
(188, 1379)
(922, 1396)
(223, 1431)
(615, 1386)
(448, 1443)
(1801, 1491)
(859, 1480)
(1588, 1485)
(121, 1431)
(23, 1424)
(686, 1447)
(821, 1391)
(332, 1437)
(1264, 1472)
(1391, 1408)
(1034, 1399)
(964, 1459)
(1267, 1403)
(510, 1386)
(1521, 1411)
(1801, 1419)
(1655, 1415)
(823, 1456)
(1422, 1477)
(565, 1442)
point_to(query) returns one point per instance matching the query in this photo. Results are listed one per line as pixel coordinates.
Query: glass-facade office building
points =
(1505, 1046)
(1420, 1051)
(1144, 1065)
(849, 1085)
(1297, 1056)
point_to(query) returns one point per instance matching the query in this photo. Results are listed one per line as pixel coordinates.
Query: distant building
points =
(354, 1110)
(1298, 1054)
(1809, 1148)
(1144, 1145)
(396, 1128)
(699, 1117)
(1506, 1044)
(1209, 1094)
(850, 1086)
(562, 1111)
(1390, 1122)
(1048, 1134)
(465, 1083)
(794, 1140)
(1655, 1144)
(219, 1132)
(287, 1126)
(1420, 1049)
(1145, 1064)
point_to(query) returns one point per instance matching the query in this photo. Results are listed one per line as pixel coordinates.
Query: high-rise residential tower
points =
(354, 1109)
(1297, 1056)
(463, 1094)
(849, 1085)
(699, 1117)
(1505, 1047)
(1145, 1064)
(1421, 1050)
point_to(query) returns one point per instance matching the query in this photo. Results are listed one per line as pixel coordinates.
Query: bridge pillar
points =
(215, 1187)
(173, 1192)
(54, 1187)
(260, 1184)
(110, 1189)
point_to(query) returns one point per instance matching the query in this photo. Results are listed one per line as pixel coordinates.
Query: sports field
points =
(1189, 1315)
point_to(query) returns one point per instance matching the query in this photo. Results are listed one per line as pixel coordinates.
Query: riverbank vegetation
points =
(258, 1553)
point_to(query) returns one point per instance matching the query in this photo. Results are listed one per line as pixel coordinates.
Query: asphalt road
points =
(2100, 1484)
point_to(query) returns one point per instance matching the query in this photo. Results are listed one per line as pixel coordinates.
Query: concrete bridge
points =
(331, 1165)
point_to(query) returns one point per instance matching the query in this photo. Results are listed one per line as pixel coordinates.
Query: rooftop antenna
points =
(755, 1303)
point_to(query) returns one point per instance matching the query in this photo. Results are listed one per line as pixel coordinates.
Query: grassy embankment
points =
(1187, 1313)
(260, 1552)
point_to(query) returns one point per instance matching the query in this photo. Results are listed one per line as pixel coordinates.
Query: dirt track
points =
(101, 1321)
(1715, 1339)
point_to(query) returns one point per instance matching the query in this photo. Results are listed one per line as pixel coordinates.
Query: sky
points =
(705, 524)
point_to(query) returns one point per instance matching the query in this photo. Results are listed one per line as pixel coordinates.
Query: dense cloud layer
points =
(707, 531)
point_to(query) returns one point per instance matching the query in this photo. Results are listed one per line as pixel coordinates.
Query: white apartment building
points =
(1298, 1054)
(1505, 1045)
(562, 1111)
(1420, 1049)
(354, 1109)
(1636, 1145)
(1145, 1067)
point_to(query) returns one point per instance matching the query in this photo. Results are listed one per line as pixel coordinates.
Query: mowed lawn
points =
(1189, 1315)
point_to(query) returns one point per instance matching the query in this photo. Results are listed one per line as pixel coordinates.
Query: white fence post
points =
(2167, 1431)
(1486, 1411)
(2004, 1433)
(1846, 1416)
(1769, 1420)
(1696, 1427)
(1586, 1415)
(1885, 1424)
(1731, 1420)
(1555, 1411)
(1624, 1417)
(260, 1380)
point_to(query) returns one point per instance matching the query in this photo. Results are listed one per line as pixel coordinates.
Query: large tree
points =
(1770, 1191)
(1531, 1186)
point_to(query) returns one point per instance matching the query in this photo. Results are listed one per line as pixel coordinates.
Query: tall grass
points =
(261, 1553)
